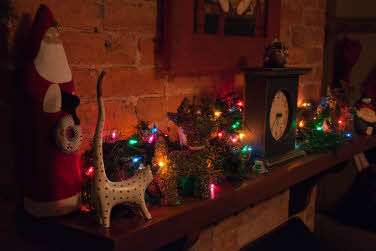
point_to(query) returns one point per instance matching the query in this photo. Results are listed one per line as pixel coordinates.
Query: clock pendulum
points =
(270, 113)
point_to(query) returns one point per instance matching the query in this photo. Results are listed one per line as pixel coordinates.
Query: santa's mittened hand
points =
(69, 102)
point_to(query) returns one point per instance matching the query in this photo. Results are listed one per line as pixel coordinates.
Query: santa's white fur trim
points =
(52, 99)
(52, 208)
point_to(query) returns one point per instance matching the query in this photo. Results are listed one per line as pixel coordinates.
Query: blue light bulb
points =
(154, 129)
(136, 159)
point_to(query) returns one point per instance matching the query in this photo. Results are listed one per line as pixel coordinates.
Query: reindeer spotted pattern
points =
(106, 193)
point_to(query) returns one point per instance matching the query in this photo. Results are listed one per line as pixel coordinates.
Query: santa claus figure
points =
(52, 178)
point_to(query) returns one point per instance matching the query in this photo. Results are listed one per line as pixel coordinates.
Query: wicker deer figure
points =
(106, 193)
(196, 126)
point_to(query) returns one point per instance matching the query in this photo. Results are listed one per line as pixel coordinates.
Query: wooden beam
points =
(352, 24)
(171, 223)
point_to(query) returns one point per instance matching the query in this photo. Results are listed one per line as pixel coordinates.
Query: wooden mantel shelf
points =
(171, 223)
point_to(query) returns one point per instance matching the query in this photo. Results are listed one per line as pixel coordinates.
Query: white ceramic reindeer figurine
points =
(106, 193)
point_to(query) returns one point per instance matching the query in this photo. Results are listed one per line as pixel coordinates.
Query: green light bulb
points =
(245, 149)
(133, 141)
(319, 128)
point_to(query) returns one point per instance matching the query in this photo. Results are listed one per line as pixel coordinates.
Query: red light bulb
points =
(151, 138)
(89, 171)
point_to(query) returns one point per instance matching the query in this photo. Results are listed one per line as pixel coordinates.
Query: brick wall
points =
(237, 231)
(119, 36)
(303, 30)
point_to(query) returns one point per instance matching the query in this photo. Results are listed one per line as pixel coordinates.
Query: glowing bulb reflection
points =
(212, 188)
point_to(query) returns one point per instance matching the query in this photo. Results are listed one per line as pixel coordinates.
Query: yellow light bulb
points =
(301, 124)
(217, 114)
(161, 163)
(241, 135)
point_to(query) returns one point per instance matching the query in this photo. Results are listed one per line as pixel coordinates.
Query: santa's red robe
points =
(52, 178)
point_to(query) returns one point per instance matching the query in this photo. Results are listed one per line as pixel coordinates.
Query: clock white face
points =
(279, 115)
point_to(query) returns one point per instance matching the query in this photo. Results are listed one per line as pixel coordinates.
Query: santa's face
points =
(52, 36)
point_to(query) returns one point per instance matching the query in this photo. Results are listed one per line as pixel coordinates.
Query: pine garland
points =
(323, 127)
(212, 153)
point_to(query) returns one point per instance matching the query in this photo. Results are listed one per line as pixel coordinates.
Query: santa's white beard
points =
(51, 63)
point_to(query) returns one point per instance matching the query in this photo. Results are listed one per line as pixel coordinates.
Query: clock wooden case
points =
(270, 112)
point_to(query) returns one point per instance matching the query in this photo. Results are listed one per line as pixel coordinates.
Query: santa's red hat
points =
(43, 20)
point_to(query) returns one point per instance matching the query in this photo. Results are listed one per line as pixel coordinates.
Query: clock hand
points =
(274, 122)
(277, 117)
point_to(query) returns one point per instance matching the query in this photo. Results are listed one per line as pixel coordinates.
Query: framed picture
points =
(202, 36)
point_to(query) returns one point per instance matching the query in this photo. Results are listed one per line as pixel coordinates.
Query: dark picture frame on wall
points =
(200, 37)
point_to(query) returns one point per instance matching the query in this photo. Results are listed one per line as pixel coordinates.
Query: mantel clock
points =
(270, 112)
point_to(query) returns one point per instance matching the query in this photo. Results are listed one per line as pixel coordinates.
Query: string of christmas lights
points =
(324, 126)
(227, 156)
(223, 152)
